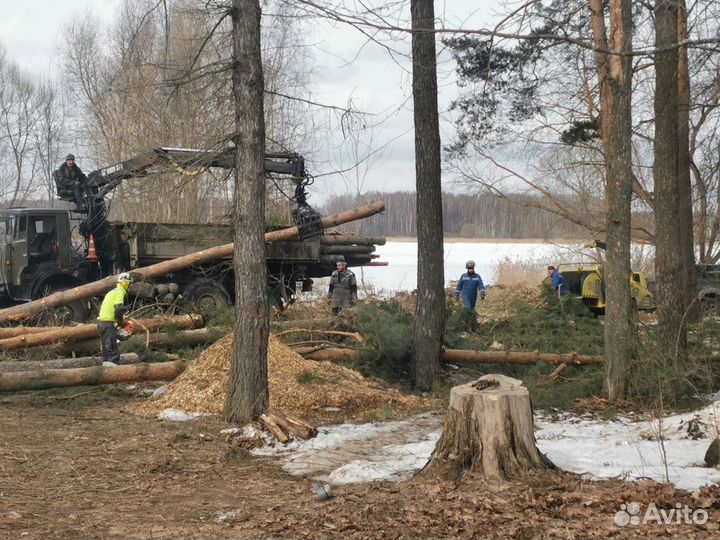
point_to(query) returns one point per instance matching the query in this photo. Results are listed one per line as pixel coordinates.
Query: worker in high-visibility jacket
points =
(112, 314)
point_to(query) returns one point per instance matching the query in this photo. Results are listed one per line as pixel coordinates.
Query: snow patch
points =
(175, 415)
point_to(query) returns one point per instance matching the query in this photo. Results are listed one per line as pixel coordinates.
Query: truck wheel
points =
(206, 298)
(76, 311)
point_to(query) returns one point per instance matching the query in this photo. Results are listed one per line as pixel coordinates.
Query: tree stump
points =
(488, 431)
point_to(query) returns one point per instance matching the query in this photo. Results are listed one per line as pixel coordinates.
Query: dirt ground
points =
(74, 465)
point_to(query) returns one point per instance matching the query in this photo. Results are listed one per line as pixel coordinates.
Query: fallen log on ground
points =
(285, 428)
(513, 357)
(353, 335)
(87, 331)
(63, 363)
(157, 340)
(13, 331)
(335, 354)
(55, 378)
(25, 311)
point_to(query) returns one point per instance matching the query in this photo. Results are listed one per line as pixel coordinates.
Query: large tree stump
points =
(488, 431)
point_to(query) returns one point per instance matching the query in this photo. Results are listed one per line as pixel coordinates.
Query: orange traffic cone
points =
(92, 253)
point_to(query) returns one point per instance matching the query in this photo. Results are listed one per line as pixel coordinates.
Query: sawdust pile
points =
(316, 391)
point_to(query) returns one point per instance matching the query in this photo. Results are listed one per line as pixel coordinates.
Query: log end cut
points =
(488, 432)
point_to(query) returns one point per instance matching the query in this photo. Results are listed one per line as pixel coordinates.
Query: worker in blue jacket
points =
(559, 284)
(468, 285)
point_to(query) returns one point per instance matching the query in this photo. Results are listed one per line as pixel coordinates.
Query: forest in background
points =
(465, 216)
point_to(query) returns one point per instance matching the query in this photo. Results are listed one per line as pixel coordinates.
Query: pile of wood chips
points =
(314, 391)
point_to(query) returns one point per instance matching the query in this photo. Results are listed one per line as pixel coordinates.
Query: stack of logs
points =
(33, 375)
(355, 250)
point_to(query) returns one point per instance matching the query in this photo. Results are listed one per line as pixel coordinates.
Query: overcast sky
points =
(346, 66)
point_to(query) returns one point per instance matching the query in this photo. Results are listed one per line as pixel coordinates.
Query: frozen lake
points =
(401, 274)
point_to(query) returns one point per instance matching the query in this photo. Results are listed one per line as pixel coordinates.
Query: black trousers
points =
(108, 342)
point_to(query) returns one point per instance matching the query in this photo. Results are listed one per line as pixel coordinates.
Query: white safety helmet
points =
(470, 264)
(124, 278)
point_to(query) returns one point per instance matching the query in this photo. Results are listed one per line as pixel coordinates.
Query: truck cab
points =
(37, 256)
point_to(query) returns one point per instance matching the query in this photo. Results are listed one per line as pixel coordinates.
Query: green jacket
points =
(109, 311)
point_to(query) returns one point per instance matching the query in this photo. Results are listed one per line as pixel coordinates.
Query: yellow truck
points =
(586, 281)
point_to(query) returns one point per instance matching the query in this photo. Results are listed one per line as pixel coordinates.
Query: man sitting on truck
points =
(70, 182)
(112, 315)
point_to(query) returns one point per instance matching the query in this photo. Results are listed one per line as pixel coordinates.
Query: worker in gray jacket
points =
(343, 288)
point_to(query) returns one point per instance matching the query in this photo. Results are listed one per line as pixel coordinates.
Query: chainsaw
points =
(125, 332)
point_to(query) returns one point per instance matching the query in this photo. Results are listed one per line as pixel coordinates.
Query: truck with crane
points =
(38, 257)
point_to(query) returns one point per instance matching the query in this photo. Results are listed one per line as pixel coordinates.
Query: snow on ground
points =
(626, 449)
(622, 448)
(351, 453)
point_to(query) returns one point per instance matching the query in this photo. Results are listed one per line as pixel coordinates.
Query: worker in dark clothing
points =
(343, 288)
(558, 282)
(112, 315)
(468, 286)
(70, 182)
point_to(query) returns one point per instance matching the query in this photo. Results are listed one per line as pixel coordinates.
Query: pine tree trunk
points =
(615, 75)
(687, 240)
(672, 333)
(430, 310)
(247, 395)
(488, 432)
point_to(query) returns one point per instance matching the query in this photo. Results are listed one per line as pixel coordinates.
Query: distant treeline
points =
(467, 216)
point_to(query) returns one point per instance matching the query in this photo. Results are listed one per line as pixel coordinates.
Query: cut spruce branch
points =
(87, 331)
(25, 311)
(63, 363)
(55, 378)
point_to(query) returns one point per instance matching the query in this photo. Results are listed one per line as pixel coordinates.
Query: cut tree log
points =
(272, 427)
(331, 239)
(293, 426)
(63, 363)
(25, 311)
(333, 354)
(54, 378)
(87, 331)
(157, 340)
(353, 335)
(513, 357)
(488, 432)
(13, 331)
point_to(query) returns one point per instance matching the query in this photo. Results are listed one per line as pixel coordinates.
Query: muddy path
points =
(74, 465)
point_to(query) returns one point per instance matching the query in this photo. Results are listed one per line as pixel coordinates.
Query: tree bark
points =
(248, 395)
(615, 77)
(53, 378)
(672, 332)
(430, 309)
(488, 431)
(687, 237)
(25, 311)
